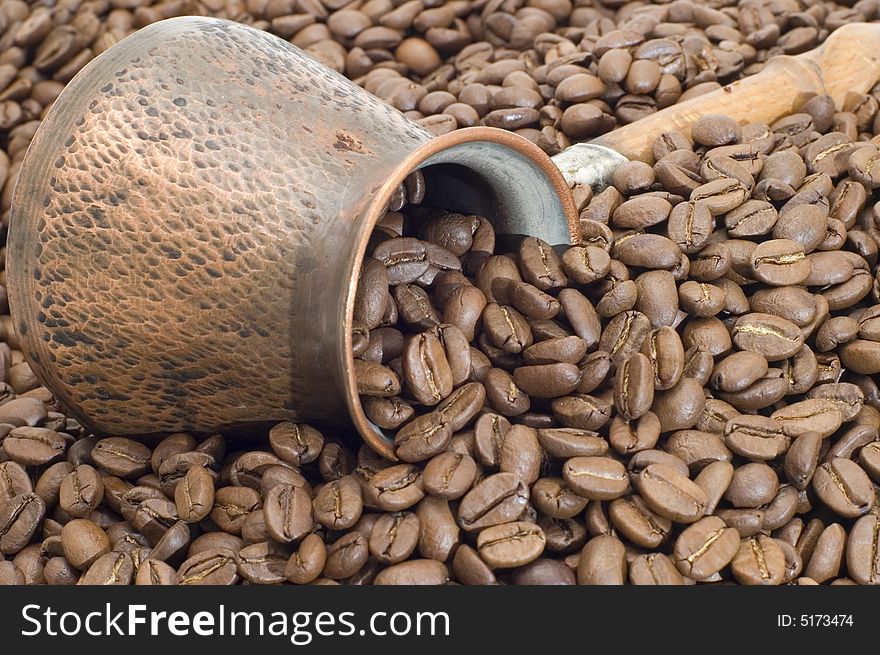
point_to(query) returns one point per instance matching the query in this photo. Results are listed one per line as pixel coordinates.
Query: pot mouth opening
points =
(484, 171)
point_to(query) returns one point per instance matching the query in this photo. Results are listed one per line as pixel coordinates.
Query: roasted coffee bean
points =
(756, 438)
(862, 554)
(844, 487)
(83, 542)
(395, 488)
(438, 532)
(670, 494)
(540, 266)
(581, 316)
(634, 387)
(296, 443)
(680, 407)
(654, 569)
(110, 569)
(697, 449)
(760, 560)
(715, 130)
(263, 563)
(194, 495)
(602, 561)
(581, 411)
(122, 457)
(287, 512)
(14, 481)
(346, 556)
(375, 380)
(827, 554)
(509, 545)
(547, 380)
(231, 506)
(423, 437)
(705, 548)
(449, 475)
(752, 485)
(503, 395)
(564, 350)
(665, 352)
(596, 478)
(215, 566)
(772, 337)
(738, 371)
(20, 516)
(506, 328)
(499, 498)
(31, 446)
(338, 505)
(818, 415)
(571, 442)
(414, 572)
(307, 562)
(81, 491)
(633, 519)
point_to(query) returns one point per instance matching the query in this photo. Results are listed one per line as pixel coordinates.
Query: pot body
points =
(189, 219)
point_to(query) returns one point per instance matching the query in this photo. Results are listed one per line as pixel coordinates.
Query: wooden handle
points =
(848, 61)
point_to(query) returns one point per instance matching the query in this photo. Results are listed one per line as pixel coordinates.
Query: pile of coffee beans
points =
(687, 396)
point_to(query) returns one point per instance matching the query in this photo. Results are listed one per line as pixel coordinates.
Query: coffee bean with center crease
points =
(772, 337)
(215, 566)
(231, 507)
(14, 481)
(540, 266)
(596, 478)
(81, 491)
(346, 556)
(20, 516)
(396, 488)
(122, 457)
(307, 562)
(862, 551)
(426, 369)
(844, 487)
(624, 335)
(756, 437)
(671, 494)
(296, 443)
(780, 262)
(173, 470)
(338, 505)
(156, 573)
(503, 394)
(423, 437)
(449, 475)
(110, 569)
(31, 446)
(634, 520)
(194, 495)
(499, 498)
(263, 563)
(634, 387)
(705, 547)
(759, 561)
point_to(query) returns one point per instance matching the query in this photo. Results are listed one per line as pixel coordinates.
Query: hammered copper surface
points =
(188, 218)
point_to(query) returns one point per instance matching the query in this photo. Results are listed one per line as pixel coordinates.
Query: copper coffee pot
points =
(190, 219)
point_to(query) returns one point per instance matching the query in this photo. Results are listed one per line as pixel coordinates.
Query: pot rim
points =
(376, 209)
